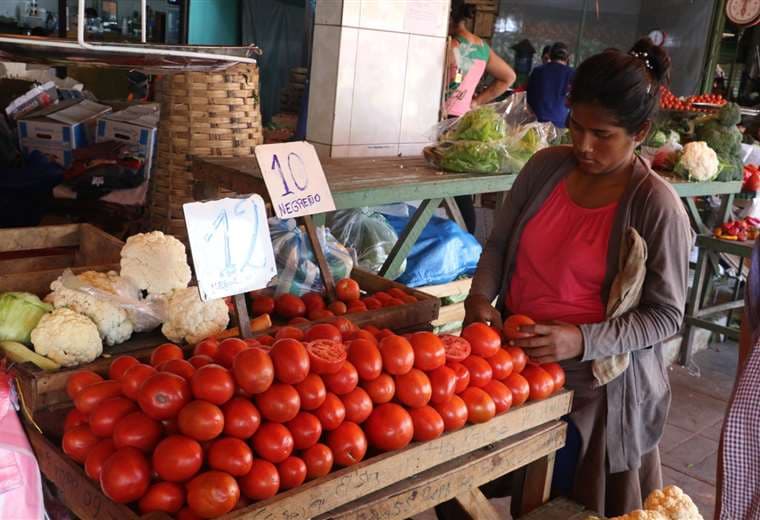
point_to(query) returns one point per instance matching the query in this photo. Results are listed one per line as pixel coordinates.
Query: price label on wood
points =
(232, 251)
(294, 178)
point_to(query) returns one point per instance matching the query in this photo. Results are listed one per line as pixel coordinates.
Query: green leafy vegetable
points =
(19, 314)
(482, 124)
(473, 156)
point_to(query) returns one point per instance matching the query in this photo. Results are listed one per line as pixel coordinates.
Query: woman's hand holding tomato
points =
(479, 309)
(552, 342)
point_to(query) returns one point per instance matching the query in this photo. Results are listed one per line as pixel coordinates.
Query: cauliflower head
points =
(642, 515)
(191, 319)
(112, 321)
(673, 503)
(155, 262)
(67, 337)
(698, 162)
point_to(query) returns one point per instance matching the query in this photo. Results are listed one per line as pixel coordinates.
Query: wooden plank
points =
(456, 477)
(97, 247)
(730, 247)
(450, 313)
(723, 307)
(536, 485)
(392, 266)
(39, 282)
(454, 212)
(477, 506)
(21, 239)
(242, 316)
(38, 263)
(448, 289)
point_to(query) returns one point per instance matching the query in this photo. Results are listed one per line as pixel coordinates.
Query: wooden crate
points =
(32, 258)
(521, 436)
(451, 315)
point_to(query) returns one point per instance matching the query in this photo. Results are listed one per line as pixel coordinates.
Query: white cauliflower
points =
(642, 515)
(155, 262)
(192, 319)
(698, 162)
(67, 337)
(673, 503)
(113, 322)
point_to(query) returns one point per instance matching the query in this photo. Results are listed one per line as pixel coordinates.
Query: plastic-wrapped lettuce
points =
(19, 314)
(473, 157)
(483, 124)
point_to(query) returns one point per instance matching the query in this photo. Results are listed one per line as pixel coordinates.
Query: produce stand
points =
(689, 191)
(392, 485)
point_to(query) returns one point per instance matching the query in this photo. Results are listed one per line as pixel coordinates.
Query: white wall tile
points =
(351, 12)
(384, 15)
(422, 88)
(411, 149)
(377, 150)
(428, 17)
(344, 96)
(324, 74)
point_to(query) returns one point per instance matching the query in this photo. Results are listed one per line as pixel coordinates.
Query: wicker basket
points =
(202, 114)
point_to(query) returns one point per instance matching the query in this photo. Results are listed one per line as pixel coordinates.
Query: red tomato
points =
(409, 298)
(463, 375)
(165, 497)
(120, 365)
(357, 306)
(212, 494)
(273, 442)
(262, 482)
(332, 412)
(182, 368)
(512, 326)
(96, 456)
(91, 396)
(479, 369)
(326, 356)
(177, 458)
(163, 395)
(519, 359)
(345, 326)
(338, 308)
(125, 475)
(358, 405)
(413, 388)
(485, 341)
(366, 358)
(201, 420)
(396, 292)
(372, 303)
(347, 443)
(347, 290)
(428, 424)
(480, 406)
(553, 369)
(382, 296)
(381, 390)
(299, 320)
(230, 455)
(519, 387)
(289, 332)
(292, 472)
(501, 364)
(228, 350)
(501, 395)
(164, 353)
(324, 331)
(289, 306)
(364, 335)
(74, 418)
(280, 403)
(312, 392)
(208, 347)
(133, 379)
(397, 354)
(186, 514)
(393, 302)
(265, 340)
(213, 383)
(78, 441)
(291, 361)
(443, 382)
(429, 352)
(253, 370)
(138, 431)
(389, 427)
(319, 461)
(541, 383)
(321, 314)
(262, 305)
(343, 381)
(107, 414)
(241, 418)
(306, 430)
(80, 380)
(313, 301)
(457, 348)
(453, 412)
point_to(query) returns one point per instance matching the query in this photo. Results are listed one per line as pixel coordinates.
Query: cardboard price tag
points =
(294, 178)
(232, 251)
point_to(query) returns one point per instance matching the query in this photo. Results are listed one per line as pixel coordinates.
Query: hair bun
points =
(655, 58)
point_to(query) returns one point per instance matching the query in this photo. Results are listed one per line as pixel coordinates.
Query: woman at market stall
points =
(469, 58)
(554, 254)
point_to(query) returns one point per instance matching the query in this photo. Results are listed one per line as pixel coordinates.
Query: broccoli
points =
(729, 114)
(720, 133)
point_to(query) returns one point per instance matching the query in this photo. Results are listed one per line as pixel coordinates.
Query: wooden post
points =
(241, 312)
(477, 505)
(533, 485)
(324, 268)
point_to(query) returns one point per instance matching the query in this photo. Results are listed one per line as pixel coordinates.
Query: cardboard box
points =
(136, 126)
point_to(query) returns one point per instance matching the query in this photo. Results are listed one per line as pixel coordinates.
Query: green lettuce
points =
(19, 314)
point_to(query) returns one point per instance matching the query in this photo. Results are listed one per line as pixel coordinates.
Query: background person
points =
(549, 85)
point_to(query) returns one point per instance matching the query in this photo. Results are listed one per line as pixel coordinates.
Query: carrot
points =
(258, 324)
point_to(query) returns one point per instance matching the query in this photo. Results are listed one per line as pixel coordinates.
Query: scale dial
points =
(743, 12)
(657, 36)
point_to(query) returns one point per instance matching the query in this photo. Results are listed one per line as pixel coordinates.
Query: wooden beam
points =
(319, 255)
(477, 505)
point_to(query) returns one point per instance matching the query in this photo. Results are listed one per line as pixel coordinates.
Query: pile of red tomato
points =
(669, 101)
(312, 306)
(241, 420)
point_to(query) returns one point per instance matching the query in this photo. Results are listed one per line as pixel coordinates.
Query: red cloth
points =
(562, 261)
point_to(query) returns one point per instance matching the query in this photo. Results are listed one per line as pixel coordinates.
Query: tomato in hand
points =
(389, 427)
(366, 358)
(358, 405)
(230, 455)
(343, 381)
(428, 424)
(480, 370)
(332, 412)
(78, 441)
(241, 418)
(429, 352)
(319, 461)
(79, 380)
(103, 419)
(541, 383)
(96, 456)
(480, 406)
(463, 376)
(312, 392)
(519, 358)
(212, 494)
(443, 382)
(501, 395)
(181, 367)
(201, 420)
(164, 497)
(485, 341)
(348, 444)
(228, 351)
(138, 431)
(347, 290)
(305, 429)
(213, 383)
(177, 458)
(413, 388)
(397, 354)
(324, 331)
(512, 327)
(125, 475)
(554, 370)
(501, 364)
(326, 356)
(163, 395)
(292, 472)
(74, 418)
(262, 482)
(456, 347)
(273, 442)
(120, 365)
(453, 412)
(253, 370)
(381, 389)
(289, 306)
(208, 347)
(291, 361)
(262, 305)
(134, 377)
(280, 403)
(519, 387)
(88, 398)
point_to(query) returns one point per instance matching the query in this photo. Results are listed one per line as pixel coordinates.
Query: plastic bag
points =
(144, 313)
(297, 270)
(367, 233)
(488, 122)
(470, 157)
(525, 140)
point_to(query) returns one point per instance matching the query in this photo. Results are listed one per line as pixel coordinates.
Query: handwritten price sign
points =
(232, 251)
(294, 178)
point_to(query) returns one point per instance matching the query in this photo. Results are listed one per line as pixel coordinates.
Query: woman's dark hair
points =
(626, 84)
(559, 51)
(461, 11)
